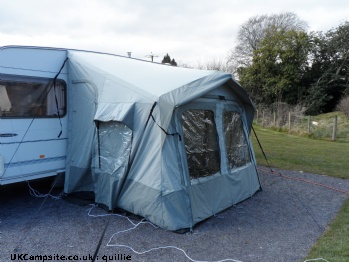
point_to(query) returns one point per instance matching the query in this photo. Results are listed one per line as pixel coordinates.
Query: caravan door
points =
(33, 121)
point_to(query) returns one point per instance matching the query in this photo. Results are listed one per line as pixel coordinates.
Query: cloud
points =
(187, 30)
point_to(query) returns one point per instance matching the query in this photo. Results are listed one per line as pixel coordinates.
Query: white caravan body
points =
(33, 115)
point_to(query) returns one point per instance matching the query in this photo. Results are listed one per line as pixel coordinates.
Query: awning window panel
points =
(114, 145)
(201, 143)
(235, 140)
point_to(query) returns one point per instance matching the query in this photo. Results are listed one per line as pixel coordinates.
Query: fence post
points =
(309, 123)
(257, 117)
(289, 120)
(274, 119)
(334, 132)
(263, 119)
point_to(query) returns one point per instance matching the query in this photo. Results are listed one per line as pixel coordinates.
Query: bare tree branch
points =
(254, 31)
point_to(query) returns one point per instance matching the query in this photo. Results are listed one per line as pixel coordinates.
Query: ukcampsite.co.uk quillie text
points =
(58, 257)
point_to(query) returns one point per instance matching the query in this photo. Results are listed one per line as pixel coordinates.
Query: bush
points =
(343, 106)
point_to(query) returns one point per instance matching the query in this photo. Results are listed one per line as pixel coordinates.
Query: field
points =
(299, 153)
(318, 156)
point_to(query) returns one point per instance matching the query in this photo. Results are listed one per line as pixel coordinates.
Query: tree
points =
(167, 60)
(330, 70)
(343, 105)
(214, 63)
(252, 32)
(277, 61)
(278, 68)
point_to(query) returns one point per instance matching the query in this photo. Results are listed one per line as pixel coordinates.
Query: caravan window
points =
(201, 143)
(235, 140)
(31, 97)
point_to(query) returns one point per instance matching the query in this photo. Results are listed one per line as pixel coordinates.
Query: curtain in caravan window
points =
(31, 97)
(235, 140)
(5, 103)
(56, 101)
(201, 143)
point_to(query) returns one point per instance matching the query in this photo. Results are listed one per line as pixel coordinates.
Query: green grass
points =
(302, 154)
(315, 156)
(334, 244)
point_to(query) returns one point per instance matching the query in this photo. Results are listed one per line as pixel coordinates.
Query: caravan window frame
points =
(33, 106)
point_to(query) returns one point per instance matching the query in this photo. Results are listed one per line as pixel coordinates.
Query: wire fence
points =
(333, 126)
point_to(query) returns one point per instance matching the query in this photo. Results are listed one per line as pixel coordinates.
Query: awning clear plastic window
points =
(235, 140)
(201, 143)
(114, 145)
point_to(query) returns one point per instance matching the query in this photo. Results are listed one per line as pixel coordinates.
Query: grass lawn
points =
(334, 244)
(314, 156)
(302, 154)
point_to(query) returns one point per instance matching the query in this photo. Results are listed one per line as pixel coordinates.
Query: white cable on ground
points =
(104, 215)
(36, 193)
(316, 259)
(135, 225)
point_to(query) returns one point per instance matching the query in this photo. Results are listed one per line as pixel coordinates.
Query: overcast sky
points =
(191, 31)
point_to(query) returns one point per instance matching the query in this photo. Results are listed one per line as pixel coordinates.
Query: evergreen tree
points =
(167, 60)
(173, 62)
(330, 70)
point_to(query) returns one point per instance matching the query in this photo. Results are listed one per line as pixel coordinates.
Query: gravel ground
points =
(280, 223)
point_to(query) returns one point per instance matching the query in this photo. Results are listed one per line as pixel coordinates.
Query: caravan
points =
(33, 116)
(167, 143)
